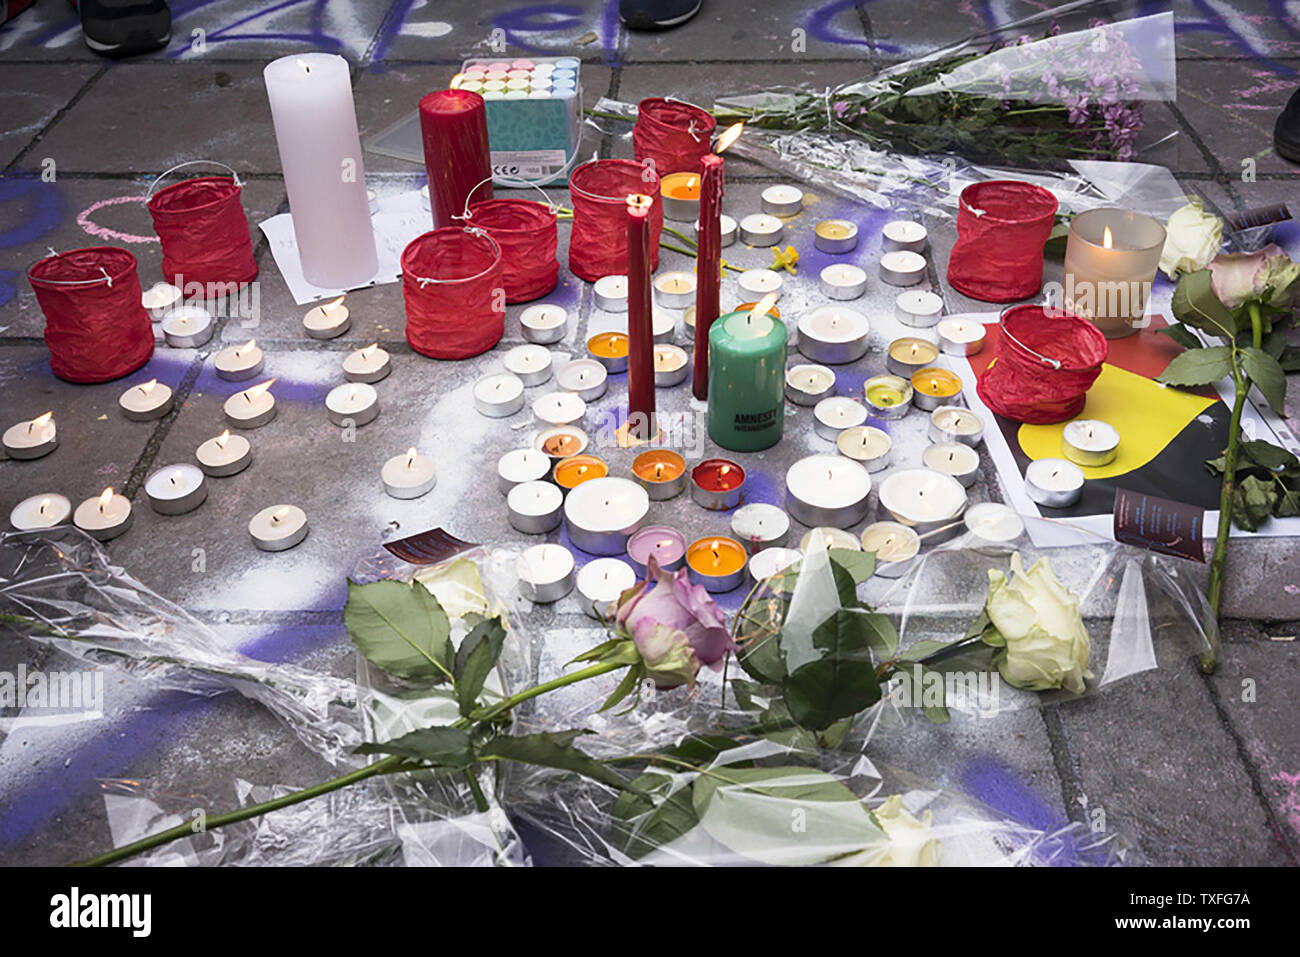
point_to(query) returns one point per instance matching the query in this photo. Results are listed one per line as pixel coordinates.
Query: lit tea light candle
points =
(827, 490)
(1090, 442)
(559, 408)
(671, 365)
(546, 573)
(960, 337)
(278, 528)
(610, 349)
(600, 583)
(521, 465)
(729, 229)
(843, 281)
(159, 299)
(680, 193)
(252, 408)
(560, 442)
(237, 363)
(353, 403)
(952, 458)
(782, 200)
(888, 396)
(531, 363)
(772, 311)
(226, 454)
(923, 499)
(40, 512)
(902, 268)
(830, 538)
(544, 323)
(835, 236)
(187, 327)
(758, 526)
(662, 324)
(770, 562)
(904, 234)
(951, 423)
(32, 439)
(717, 564)
(176, 489)
(895, 546)
(833, 415)
(866, 444)
(807, 384)
(759, 229)
(610, 293)
(716, 484)
(586, 378)
(994, 522)
(759, 282)
(1055, 483)
(665, 545)
(576, 469)
(408, 475)
(498, 395)
(834, 335)
(534, 508)
(909, 354)
(327, 321)
(674, 290)
(933, 387)
(601, 515)
(661, 472)
(149, 400)
(103, 517)
(918, 308)
(370, 364)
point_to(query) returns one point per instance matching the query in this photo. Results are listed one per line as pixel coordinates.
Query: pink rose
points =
(1267, 275)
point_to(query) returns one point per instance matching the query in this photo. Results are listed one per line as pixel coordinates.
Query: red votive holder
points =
(716, 484)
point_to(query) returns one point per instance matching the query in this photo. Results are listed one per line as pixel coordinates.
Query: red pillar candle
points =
(640, 321)
(453, 124)
(709, 258)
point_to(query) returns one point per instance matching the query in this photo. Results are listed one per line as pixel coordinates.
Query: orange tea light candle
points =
(716, 563)
(610, 349)
(661, 472)
(680, 193)
(576, 469)
(933, 387)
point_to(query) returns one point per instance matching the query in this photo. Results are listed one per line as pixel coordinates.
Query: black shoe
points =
(656, 14)
(1286, 134)
(124, 27)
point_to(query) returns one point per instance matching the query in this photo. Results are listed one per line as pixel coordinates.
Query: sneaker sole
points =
(648, 24)
(110, 49)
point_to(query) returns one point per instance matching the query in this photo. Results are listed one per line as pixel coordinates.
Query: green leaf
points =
(1184, 337)
(1198, 366)
(701, 749)
(1253, 500)
(882, 637)
(760, 646)
(1195, 304)
(993, 638)
(1288, 503)
(842, 681)
(400, 628)
(981, 622)
(1265, 372)
(1267, 454)
(599, 652)
(1275, 341)
(935, 713)
(860, 565)
(625, 687)
(1289, 360)
(443, 747)
(650, 814)
(551, 749)
(475, 659)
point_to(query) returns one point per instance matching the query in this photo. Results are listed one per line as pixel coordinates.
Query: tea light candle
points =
(759, 282)
(176, 489)
(868, 445)
(586, 378)
(662, 325)
(888, 396)
(951, 423)
(952, 458)
(833, 415)
(918, 308)
(252, 408)
(922, 498)
(545, 573)
(187, 327)
(902, 268)
(226, 454)
(688, 322)
(278, 528)
(521, 465)
(827, 490)
(904, 234)
(370, 364)
(31, 439)
(843, 281)
(40, 512)
(833, 335)
(758, 526)
(531, 363)
(498, 395)
(544, 323)
(327, 321)
(960, 337)
(559, 408)
(782, 200)
(661, 472)
(1090, 442)
(159, 299)
(237, 363)
(671, 365)
(835, 236)
(408, 475)
(933, 387)
(600, 584)
(807, 384)
(610, 349)
(666, 545)
(149, 400)
(576, 469)
(610, 293)
(830, 538)
(601, 515)
(1055, 483)
(716, 484)
(560, 442)
(534, 507)
(680, 196)
(674, 290)
(994, 522)
(353, 403)
(718, 564)
(909, 354)
(729, 229)
(759, 229)
(103, 517)
(770, 562)
(895, 546)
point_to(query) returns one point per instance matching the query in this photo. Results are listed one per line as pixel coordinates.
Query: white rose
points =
(909, 842)
(1192, 239)
(1039, 627)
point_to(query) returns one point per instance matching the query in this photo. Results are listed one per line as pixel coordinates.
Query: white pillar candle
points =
(408, 475)
(226, 454)
(953, 458)
(587, 378)
(758, 526)
(40, 512)
(729, 229)
(103, 517)
(353, 403)
(278, 528)
(782, 200)
(831, 538)
(521, 465)
(922, 498)
(324, 175)
(498, 395)
(674, 290)
(960, 337)
(237, 363)
(531, 363)
(252, 408)
(894, 545)
(918, 308)
(866, 444)
(32, 439)
(369, 364)
(1089, 442)
(834, 335)
(904, 234)
(902, 268)
(828, 490)
(772, 561)
(843, 281)
(833, 415)
(176, 489)
(600, 583)
(544, 323)
(609, 293)
(545, 573)
(994, 522)
(149, 400)
(757, 283)
(559, 408)
(759, 229)
(600, 515)
(187, 327)
(534, 507)
(1055, 483)
(672, 365)
(159, 299)
(808, 384)
(329, 320)
(952, 423)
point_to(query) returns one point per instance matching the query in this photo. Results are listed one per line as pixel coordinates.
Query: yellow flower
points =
(787, 259)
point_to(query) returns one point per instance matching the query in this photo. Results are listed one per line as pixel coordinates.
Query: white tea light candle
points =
(328, 321)
(149, 400)
(772, 561)
(559, 408)
(953, 458)
(834, 335)
(759, 229)
(252, 408)
(278, 528)
(187, 327)
(544, 323)
(729, 229)
(671, 365)
(994, 522)
(531, 363)
(226, 454)
(833, 415)
(808, 384)
(1054, 483)
(545, 573)
(32, 439)
(830, 538)
(353, 403)
(1090, 442)
(960, 337)
(674, 290)
(408, 475)
(904, 234)
(586, 378)
(758, 526)
(237, 363)
(922, 498)
(843, 281)
(866, 444)
(827, 490)
(782, 200)
(600, 515)
(600, 583)
(40, 512)
(498, 395)
(105, 516)
(369, 364)
(895, 546)
(902, 268)
(918, 308)
(176, 489)
(952, 423)
(159, 299)
(534, 507)
(521, 465)
(610, 293)
(757, 283)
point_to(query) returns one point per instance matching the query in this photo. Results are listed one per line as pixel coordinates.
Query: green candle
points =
(746, 380)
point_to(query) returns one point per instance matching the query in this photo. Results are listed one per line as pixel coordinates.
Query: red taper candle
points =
(640, 322)
(453, 124)
(708, 273)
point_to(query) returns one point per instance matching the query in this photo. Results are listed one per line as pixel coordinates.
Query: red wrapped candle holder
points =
(598, 240)
(527, 234)
(452, 285)
(1001, 227)
(453, 124)
(1045, 365)
(672, 135)
(95, 325)
(203, 228)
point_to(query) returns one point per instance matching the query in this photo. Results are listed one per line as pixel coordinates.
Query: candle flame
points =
(728, 136)
(105, 497)
(690, 183)
(45, 503)
(248, 346)
(638, 201)
(456, 81)
(223, 438)
(333, 304)
(411, 453)
(1107, 240)
(178, 474)
(253, 391)
(148, 386)
(369, 350)
(763, 306)
(304, 66)
(280, 514)
(40, 421)
(659, 470)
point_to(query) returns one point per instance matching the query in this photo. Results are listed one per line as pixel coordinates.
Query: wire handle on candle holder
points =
(148, 194)
(72, 282)
(425, 280)
(1002, 330)
(694, 133)
(466, 215)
